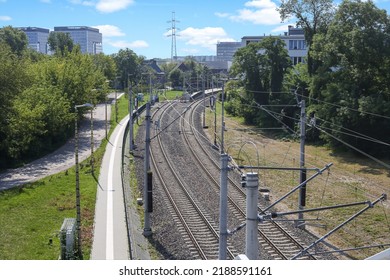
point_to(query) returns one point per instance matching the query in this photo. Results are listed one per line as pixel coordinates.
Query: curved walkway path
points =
(63, 158)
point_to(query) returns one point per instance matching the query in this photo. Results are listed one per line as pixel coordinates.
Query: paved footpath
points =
(63, 158)
(110, 241)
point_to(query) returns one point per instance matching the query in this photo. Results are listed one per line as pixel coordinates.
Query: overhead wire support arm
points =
(279, 214)
(299, 186)
(278, 168)
(371, 205)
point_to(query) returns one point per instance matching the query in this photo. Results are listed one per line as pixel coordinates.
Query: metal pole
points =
(223, 118)
(204, 100)
(92, 143)
(116, 106)
(302, 178)
(105, 110)
(252, 242)
(78, 214)
(223, 208)
(215, 114)
(150, 88)
(76, 152)
(147, 229)
(131, 133)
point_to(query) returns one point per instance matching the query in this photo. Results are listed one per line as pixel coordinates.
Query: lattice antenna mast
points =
(173, 35)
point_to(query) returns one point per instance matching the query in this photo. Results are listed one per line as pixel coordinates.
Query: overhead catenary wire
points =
(275, 163)
(275, 114)
(346, 107)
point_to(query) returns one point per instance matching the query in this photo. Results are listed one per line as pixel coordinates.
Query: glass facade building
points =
(226, 50)
(89, 39)
(37, 38)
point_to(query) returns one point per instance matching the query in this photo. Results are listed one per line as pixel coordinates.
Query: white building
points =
(294, 39)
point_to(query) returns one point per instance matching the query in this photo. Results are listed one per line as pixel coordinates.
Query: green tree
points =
(314, 16)
(14, 78)
(106, 64)
(176, 78)
(14, 38)
(128, 66)
(355, 55)
(40, 120)
(261, 68)
(60, 43)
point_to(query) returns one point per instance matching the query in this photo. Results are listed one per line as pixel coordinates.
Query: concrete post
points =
(252, 242)
(223, 208)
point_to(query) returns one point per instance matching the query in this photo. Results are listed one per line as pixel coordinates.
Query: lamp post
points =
(78, 212)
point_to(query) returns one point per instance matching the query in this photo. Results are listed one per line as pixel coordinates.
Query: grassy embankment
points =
(350, 179)
(31, 216)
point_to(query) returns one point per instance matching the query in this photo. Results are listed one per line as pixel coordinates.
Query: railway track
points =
(186, 168)
(278, 242)
(195, 224)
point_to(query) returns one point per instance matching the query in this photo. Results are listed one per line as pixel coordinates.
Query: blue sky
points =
(143, 25)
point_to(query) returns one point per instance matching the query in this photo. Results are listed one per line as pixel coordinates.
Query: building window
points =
(297, 45)
(297, 59)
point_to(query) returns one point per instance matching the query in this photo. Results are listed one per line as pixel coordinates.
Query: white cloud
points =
(46, 1)
(83, 3)
(222, 15)
(261, 4)
(138, 44)
(206, 37)
(104, 6)
(5, 18)
(110, 6)
(281, 29)
(110, 30)
(258, 12)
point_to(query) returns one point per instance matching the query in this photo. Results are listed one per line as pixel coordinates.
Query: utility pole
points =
(204, 99)
(78, 207)
(302, 177)
(131, 121)
(223, 208)
(147, 229)
(92, 144)
(173, 35)
(252, 241)
(215, 113)
(223, 118)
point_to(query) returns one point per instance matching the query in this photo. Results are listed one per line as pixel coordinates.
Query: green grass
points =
(350, 179)
(31, 216)
(171, 95)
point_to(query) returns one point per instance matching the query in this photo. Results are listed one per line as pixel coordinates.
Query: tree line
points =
(38, 92)
(344, 80)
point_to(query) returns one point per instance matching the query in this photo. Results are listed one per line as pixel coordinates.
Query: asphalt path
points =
(110, 240)
(63, 158)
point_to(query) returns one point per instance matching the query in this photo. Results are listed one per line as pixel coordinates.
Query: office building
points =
(226, 50)
(89, 39)
(37, 38)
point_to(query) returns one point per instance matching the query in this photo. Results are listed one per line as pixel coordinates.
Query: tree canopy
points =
(313, 16)
(38, 94)
(60, 43)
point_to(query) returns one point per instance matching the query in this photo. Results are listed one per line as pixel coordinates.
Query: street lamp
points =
(78, 219)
